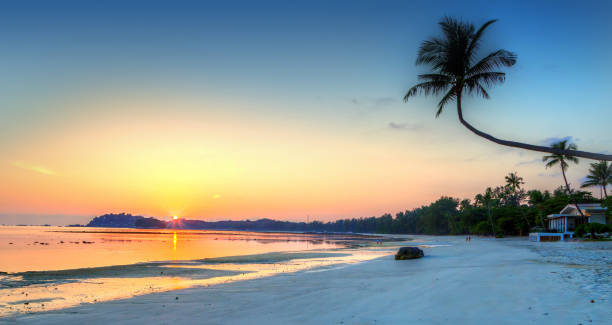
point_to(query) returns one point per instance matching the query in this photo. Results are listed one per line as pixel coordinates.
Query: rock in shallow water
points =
(408, 253)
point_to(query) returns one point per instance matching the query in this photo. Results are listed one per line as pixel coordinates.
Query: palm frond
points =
(475, 40)
(497, 59)
(572, 158)
(551, 161)
(435, 77)
(600, 174)
(452, 27)
(427, 88)
(450, 96)
(432, 52)
(488, 78)
(591, 182)
(480, 90)
(450, 57)
(563, 158)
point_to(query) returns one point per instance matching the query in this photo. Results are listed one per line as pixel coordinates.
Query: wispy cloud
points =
(33, 167)
(552, 140)
(549, 174)
(528, 162)
(405, 126)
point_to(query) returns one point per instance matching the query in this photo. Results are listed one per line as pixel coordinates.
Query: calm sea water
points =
(46, 268)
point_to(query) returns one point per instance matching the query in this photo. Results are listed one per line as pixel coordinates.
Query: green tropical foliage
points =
(592, 229)
(600, 174)
(514, 181)
(493, 212)
(561, 159)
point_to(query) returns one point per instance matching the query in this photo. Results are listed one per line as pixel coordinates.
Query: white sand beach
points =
(486, 281)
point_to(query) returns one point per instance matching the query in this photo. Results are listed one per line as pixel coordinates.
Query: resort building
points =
(565, 222)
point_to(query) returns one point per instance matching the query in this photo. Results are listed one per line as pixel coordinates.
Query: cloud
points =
(405, 126)
(375, 102)
(32, 167)
(549, 174)
(528, 162)
(552, 140)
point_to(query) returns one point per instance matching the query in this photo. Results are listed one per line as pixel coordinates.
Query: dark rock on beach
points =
(408, 253)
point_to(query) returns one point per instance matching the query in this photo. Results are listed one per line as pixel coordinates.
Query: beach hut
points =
(565, 222)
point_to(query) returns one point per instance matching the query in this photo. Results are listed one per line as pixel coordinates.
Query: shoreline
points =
(484, 281)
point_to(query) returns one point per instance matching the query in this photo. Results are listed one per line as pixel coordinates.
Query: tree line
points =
(507, 209)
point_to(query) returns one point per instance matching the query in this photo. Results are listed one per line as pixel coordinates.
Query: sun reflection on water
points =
(174, 241)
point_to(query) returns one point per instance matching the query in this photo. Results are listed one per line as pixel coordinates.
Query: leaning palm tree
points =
(600, 174)
(456, 71)
(561, 160)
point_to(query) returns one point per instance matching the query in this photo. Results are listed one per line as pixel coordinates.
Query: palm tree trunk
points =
(524, 216)
(569, 192)
(605, 191)
(575, 153)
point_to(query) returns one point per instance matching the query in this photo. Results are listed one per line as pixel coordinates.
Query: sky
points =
(283, 109)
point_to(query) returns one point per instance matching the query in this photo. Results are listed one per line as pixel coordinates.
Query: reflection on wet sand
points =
(62, 292)
(48, 268)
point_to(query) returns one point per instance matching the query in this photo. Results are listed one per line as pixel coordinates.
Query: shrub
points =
(591, 229)
(598, 228)
(482, 228)
(506, 225)
(580, 230)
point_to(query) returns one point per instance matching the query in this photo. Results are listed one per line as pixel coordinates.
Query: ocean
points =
(46, 268)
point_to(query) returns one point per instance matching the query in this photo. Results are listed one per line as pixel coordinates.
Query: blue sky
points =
(333, 68)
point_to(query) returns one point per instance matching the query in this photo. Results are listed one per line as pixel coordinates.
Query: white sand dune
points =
(482, 282)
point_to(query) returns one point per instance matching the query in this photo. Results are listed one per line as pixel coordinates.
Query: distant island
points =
(126, 220)
(120, 220)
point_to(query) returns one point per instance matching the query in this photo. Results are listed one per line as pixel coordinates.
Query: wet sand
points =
(482, 282)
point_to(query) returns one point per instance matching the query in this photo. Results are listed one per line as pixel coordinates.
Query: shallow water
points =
(58, 248)
(47, 268)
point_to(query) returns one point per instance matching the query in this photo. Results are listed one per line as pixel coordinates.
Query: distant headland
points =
(126, 220)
